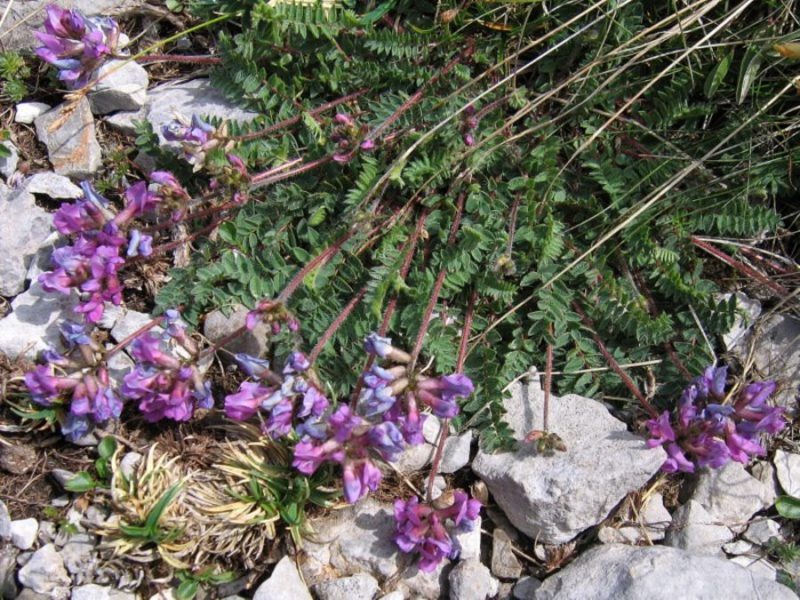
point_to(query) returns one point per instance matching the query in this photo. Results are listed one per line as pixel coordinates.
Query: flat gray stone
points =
(468, 542)
(217, 326)
(125, 121)
(694, 530)
(8, 164)
(8, 565)
(504, 564)
(23, 533)
(283, 584)
(471, 580)
(191, 97)
(620, 572)
(79, 554)
(757, 565)
(456, 452)
(5, 522)
(45, 574)
(52, 185)
(68, 132)
(129, 322)
(526, 588)
(360, 585)
(25, 228)
(554, 498)
(747, 311)
(648, 526)
(787, 467)
(33, 323)
(26, 112)
(762, 531)
(121, 85)
(731, 495)
(100, 592)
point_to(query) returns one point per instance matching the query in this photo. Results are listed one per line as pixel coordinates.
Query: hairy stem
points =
(337, 322)
(180, 58)
(320, 260)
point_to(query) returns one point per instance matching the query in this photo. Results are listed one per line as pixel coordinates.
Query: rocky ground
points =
(596, 520)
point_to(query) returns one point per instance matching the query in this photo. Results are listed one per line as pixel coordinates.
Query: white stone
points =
(731, 495)
(471, 580)
(756, 565)
(33, 323)
(554, 498)
(5, 522)
(360, 585)
(283, 584)
(53, 185)
(738, 547)
(468, 542)
(695, 530)
(129, 323)
(45, 574)
(747, 311)
(98, 592)
(218, 326)
(393, 596)
(68, 132)
(526, 588)
(456, 452)
(620, 572)
(125, 121)
(28, 111)
(762, 531)
(504, 564)
(23, 533)
(128, 464)
(121, 85)
(787, 466)
(8, 164)
(765, 472)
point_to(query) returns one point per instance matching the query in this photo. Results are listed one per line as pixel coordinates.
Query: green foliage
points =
(149, 531)
(621, 136)
(14, 70)
(191, 581)
(83, 481)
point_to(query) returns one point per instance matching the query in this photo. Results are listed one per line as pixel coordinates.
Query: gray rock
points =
(393, 596)
(757, 566)
(129, 323)
(45, 573)
(762, 531)
(61, 477)
(8, 564)
(414, 458)
(8, 164)
(787, 466)
(766, 474)
(5, 522)
(26, 17)
(471, 580)
(504, 564)
(468, 542)
(41, 262)
(747, 311)
(53, 185)
(283, 584)
(47, 533)
(526, 588)
(68, 132)
(191, 97)
(79, 554)
(738, 547)
(33, 323)
(27, 594)
(121, 85)
(419, 584)
(554, 498)
(128, 464)
(650, 525)
(731, 495)
(98, 592)
(125, 122)
(619, 572)
(456, 452)
(360, 585)
(25, 228)
(217, 326)
(26, 112)
(695, 530)
(23, 533)
(352, 540)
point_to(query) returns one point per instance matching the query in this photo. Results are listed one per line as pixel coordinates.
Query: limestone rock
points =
(8, 164)
(26, 112)
(68, 132)
(471, 580)
(738, 547)
(99, 592)
(758, 566)
(787, 466)
(554, 498)
(52, 185)
(526, 588)
(504, 564)
(33, 323)
(762, 531)
(747, 311)
(731, 495)
(130, 322)
(649, 525)
(620, 572)
(468, 542)
(25, 229)
(125, 121)
(8, 565)
(23, 533)
(45, 574)
(360, 585)
(456, 452)
(283, 584)
(694, 529)
(254, 342)
(121, 85)
(5, 522)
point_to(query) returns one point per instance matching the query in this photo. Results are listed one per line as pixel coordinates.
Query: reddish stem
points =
(180, 58)
(320, 260)
(133, 336)
(262, 179)
(629, 383)
(741, 267)
(333, 327)
(548, 382)
(294, 120)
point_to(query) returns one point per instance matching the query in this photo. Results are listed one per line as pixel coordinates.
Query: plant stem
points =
(548, 382)
(265, 178)
(133, 336)
(337, 322)
(294, 120)
(629, 383)
(180, 58)
(444, 431)
(320, 260)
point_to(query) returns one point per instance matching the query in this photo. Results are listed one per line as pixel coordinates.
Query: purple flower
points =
(296, 363)
(309, 454)
(244, 404)
(380, 346)
(45, 387)
(252, 365)
(342, 423)
(279, 423)
(74, 334)
(440, 393)
(139, 244)
(387, 439)
(360, 477)
(661, 430)
(676, 460)
(74, 427)
(195, 137)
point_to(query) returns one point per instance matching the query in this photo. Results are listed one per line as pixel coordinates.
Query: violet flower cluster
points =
(167, 381)
(76, 45)
(195, 136)
(711, 427)
(76, 383)
(422, 529)
(102, 243)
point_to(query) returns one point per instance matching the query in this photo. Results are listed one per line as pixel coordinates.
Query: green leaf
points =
(717, 75)
(107, 447)
(81, 482)
(155, 514)
(788, 507)
(747, 73)
(4, 151)
(187, 589)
